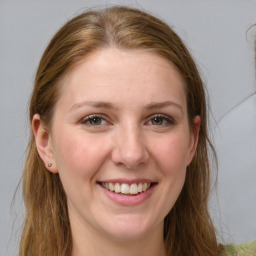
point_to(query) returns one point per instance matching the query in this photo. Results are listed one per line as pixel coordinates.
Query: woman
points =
(118, 160)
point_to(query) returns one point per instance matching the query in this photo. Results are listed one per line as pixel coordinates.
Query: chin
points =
(128, 229)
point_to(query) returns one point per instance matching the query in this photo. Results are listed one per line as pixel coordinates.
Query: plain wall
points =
(216, 34)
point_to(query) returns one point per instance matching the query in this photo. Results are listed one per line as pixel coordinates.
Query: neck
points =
(90, 242)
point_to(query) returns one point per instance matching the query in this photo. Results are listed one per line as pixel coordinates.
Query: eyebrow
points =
(154, 105)
(109, 105)
(95, 104)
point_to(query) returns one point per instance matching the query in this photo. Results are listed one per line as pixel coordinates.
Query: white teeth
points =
(117, 188)
(144, 187)
(124, 188)
(140, 188)
(134, 189)
(111, 187)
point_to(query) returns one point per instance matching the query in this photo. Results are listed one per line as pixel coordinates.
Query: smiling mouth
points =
(127, 189)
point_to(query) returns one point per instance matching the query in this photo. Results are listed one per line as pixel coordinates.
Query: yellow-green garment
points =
(247, 249)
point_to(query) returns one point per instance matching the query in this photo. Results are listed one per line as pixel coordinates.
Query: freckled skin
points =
(126, 144)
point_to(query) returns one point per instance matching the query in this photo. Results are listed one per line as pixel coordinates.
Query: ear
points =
(193, 139)
(44, 143)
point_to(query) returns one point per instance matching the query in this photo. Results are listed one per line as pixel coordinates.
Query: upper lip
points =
(127, 181)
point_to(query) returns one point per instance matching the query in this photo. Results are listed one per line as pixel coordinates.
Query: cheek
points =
(171, 153)
(78, 155)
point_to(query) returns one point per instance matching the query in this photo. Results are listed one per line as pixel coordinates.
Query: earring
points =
(49, 165)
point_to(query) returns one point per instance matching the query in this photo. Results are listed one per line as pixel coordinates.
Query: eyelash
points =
(166, 120)
(86, 120)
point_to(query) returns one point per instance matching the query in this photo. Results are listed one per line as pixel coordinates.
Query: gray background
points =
(216, 33)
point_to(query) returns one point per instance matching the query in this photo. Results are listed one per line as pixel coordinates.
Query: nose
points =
(130, 148)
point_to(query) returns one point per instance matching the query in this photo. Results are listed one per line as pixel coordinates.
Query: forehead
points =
(116, 75)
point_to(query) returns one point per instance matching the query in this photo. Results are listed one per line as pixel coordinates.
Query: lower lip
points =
(126, 199)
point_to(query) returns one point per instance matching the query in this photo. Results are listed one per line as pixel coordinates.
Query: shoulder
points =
(247, 249)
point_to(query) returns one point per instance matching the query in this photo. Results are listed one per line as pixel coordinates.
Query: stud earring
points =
(49, 165)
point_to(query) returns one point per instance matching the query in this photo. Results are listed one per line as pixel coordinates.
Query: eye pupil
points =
(95, 121)
(157, 120)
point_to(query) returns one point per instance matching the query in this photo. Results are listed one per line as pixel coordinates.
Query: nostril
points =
(130, 157)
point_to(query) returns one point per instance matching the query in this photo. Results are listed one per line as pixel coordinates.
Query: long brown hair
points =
(188, 228)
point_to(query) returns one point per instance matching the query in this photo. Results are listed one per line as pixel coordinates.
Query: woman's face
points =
(120, 141)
